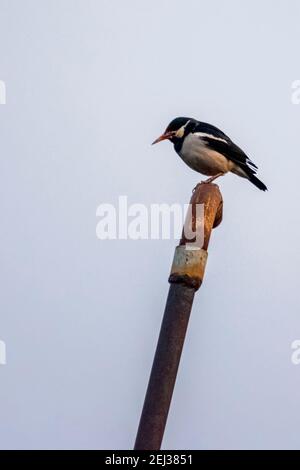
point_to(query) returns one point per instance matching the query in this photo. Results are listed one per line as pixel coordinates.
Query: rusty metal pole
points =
(186, 277)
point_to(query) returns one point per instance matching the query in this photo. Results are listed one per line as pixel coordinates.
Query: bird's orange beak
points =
(165, 136)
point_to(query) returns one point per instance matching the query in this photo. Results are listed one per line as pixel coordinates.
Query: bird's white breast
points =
(197, 155)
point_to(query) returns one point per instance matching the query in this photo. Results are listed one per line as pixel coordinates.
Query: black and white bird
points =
(206, 149)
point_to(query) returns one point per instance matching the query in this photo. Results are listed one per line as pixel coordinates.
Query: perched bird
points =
(206, 149)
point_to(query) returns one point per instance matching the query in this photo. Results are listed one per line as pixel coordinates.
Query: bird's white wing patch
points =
(210, 136)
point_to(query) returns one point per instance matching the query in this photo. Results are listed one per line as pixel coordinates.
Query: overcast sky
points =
(90, 84)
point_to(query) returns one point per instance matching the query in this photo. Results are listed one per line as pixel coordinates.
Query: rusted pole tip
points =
(189, 263)
(208, 193)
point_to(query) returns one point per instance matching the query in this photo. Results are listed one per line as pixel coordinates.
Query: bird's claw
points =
(199, 184)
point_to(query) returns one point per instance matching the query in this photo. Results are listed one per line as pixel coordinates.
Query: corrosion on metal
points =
(210, 196)
(165, 366)
(189, 263)
(188, 266)
(186, 276)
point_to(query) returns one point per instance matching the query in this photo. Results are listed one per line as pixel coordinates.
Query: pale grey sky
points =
(89, 86)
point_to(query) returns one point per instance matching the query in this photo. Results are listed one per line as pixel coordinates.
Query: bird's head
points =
(177, 130)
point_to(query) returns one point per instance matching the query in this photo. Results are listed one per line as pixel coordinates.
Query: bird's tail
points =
(259, 184)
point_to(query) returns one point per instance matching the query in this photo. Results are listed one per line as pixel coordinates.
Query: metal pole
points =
(186, 277)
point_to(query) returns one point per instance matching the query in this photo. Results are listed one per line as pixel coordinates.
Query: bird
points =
(207, 150)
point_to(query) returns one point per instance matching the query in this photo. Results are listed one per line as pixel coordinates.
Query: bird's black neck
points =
(177, 143)
(189, 127)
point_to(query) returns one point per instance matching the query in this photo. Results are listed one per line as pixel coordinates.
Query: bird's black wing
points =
(220, 142)
(211, 130)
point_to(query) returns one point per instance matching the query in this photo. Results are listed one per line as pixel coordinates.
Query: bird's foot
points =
(212, 178)
(208, 181)
(197, 185)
